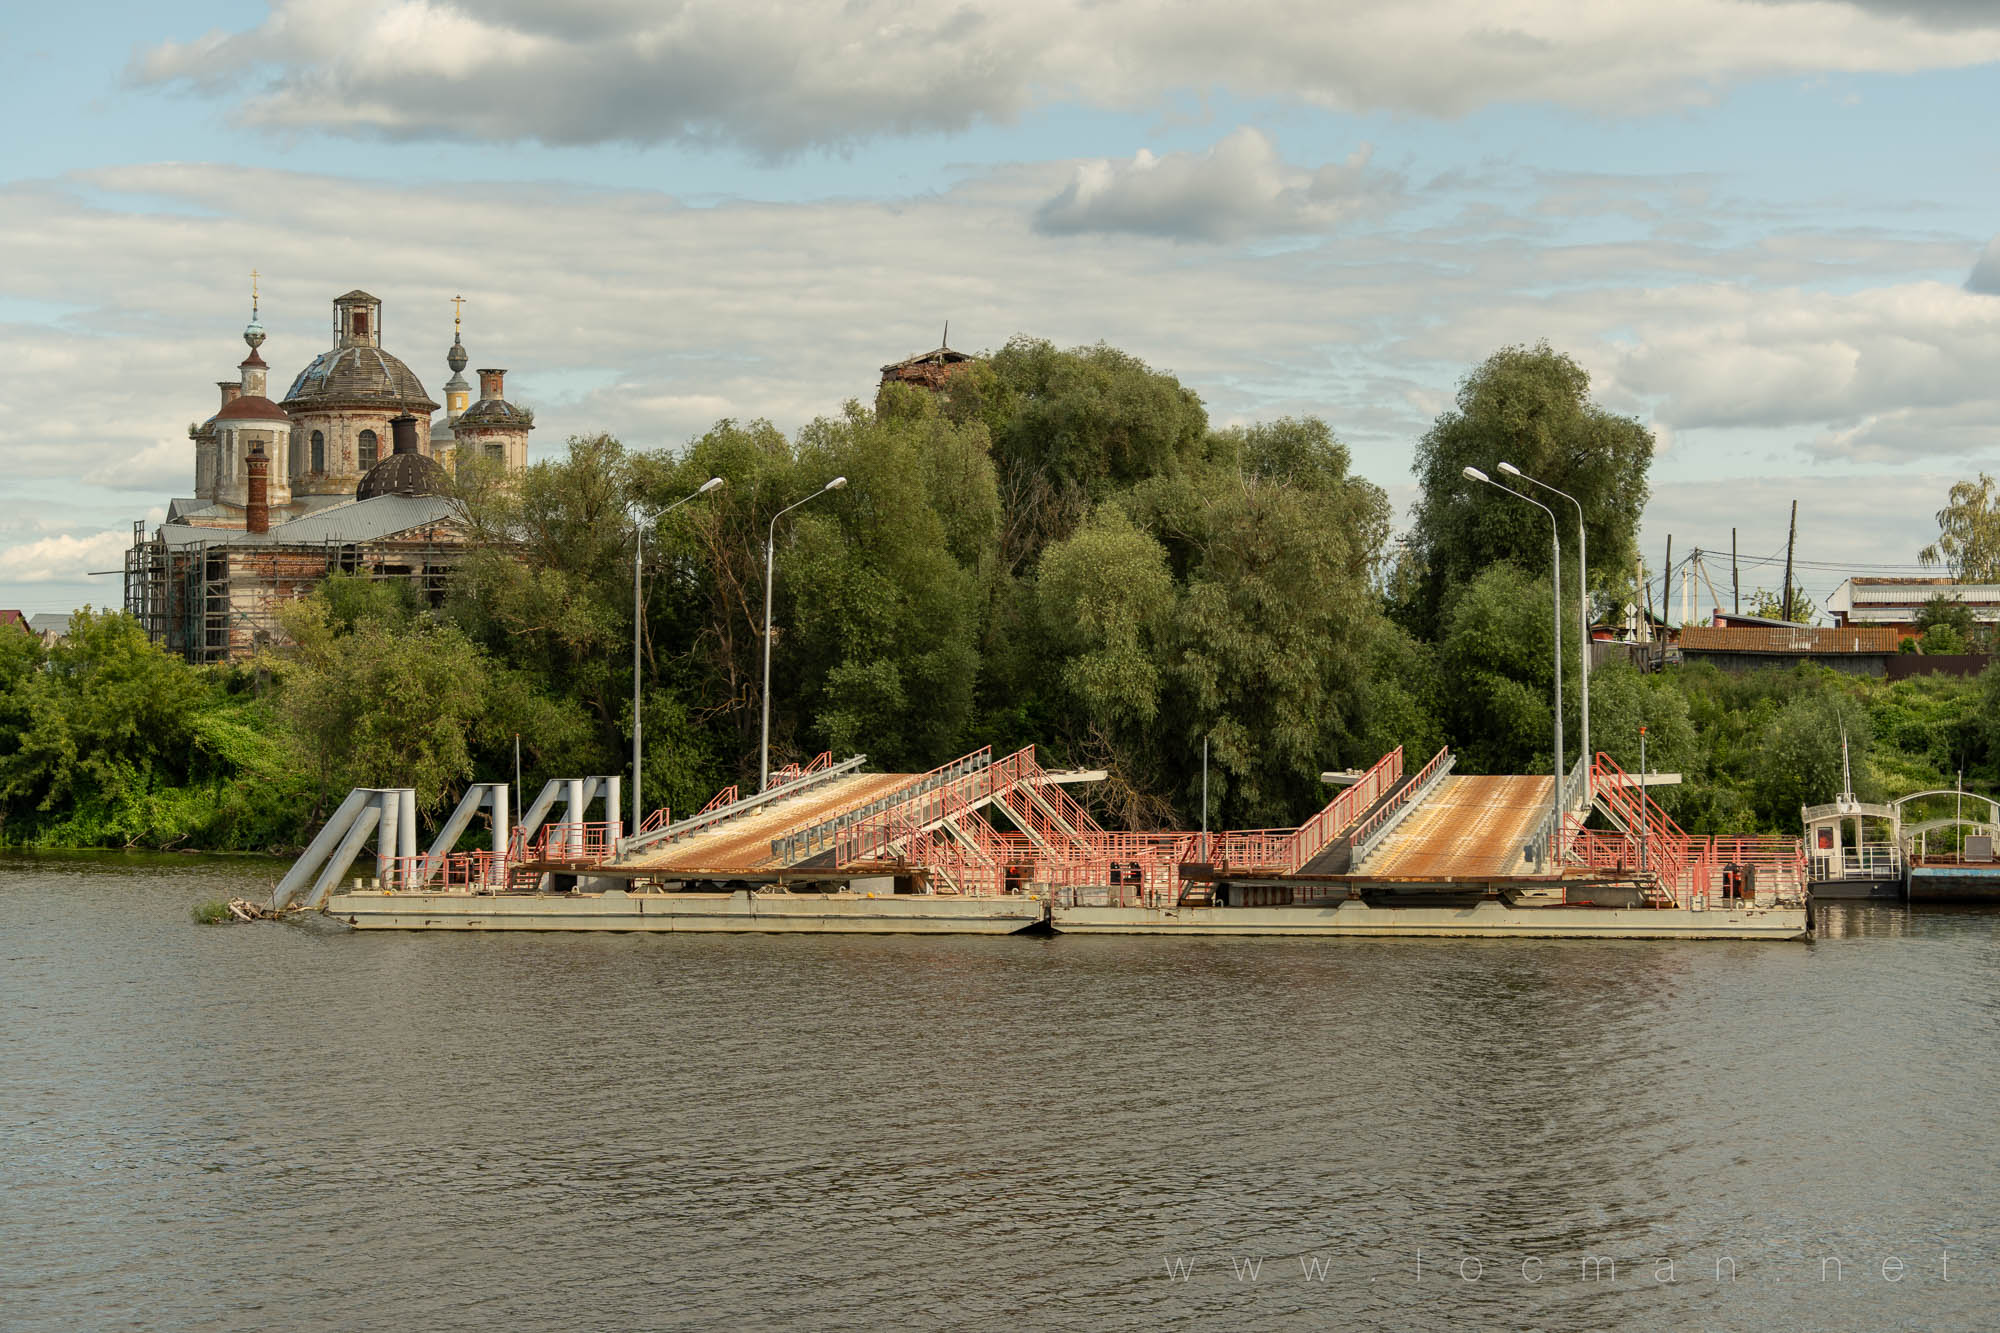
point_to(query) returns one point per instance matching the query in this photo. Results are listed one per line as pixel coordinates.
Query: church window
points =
(319, 451)
(497, 452)
(368, 445)
(361, 323)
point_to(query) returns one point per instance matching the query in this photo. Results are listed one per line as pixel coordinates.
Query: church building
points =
(348, 472)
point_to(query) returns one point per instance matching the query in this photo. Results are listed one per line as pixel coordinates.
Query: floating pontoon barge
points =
(985, 846)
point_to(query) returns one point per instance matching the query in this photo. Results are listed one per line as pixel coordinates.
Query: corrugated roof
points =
(1748, 639)
(359, 521)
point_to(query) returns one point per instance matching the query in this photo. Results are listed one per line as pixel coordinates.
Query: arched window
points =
(319, 451)
(367, 449)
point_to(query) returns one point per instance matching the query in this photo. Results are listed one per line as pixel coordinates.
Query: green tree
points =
(1069, 428)
(1496, 658)
(1968, 541)
(1946, 625)
(1529, 406)
(1800, 761)
(383, 703)
(1771, 606)
(1230, 600)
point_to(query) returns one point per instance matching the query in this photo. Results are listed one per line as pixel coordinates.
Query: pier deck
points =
(1470, 827)
(742, 844)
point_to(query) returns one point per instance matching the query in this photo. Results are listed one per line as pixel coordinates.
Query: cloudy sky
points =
(1767, 228)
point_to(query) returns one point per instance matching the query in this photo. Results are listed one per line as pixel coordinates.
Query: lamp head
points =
(1474, 474)
(709, 485)
(1510, 469)
(836, 483)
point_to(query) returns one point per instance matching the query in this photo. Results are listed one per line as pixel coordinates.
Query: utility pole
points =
(1735, 580)
(1204, 798)
(1667, 581)
(1639, 580)
(1790, 537)
(1645, 824)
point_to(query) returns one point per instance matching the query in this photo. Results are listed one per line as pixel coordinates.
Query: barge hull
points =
(739, 912)
(1485, 920)
(1954, 884)
(1855, 890)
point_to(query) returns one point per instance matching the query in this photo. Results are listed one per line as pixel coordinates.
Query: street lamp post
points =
(1582, 616)
(638, 626)
(1555, 570)
(770, 551)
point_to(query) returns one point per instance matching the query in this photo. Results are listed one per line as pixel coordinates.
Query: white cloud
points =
(64, 558)
(662, 318)
(161, 466)
(1734, 355)
(778, 77)
(1238, 187)
(1986, 273)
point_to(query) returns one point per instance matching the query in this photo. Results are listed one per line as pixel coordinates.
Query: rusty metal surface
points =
(1470, 826)
(1766, 639)
(744, 844)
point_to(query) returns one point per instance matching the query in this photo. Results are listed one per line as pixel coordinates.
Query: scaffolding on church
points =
(214, 602)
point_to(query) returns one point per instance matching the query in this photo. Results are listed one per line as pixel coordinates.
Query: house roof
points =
(47, 622)
(356, 521)
(250, 407)
(1789, 639)
(13, 618)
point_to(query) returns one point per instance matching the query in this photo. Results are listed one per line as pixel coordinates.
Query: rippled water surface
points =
(285, 1126)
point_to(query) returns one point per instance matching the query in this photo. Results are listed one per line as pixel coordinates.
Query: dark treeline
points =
(1058, 549)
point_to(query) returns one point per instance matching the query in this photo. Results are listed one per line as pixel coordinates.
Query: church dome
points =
(357, 377)
(494, 414)
(403, 474)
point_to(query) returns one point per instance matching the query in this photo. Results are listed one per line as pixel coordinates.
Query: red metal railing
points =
(1313, 835)
(1669, 854)
(727, 796)
(1680, 864)
(789, 773)
(660, 818)
(944, 792)
(588, 843)
(455, 872)
(1263, 848)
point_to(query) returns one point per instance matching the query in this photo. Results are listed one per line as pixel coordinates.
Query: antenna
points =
(945, 341)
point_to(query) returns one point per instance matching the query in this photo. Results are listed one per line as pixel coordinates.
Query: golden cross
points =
(253, 291)
(457, 311)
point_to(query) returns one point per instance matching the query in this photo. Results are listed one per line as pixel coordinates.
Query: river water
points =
(281, 1126)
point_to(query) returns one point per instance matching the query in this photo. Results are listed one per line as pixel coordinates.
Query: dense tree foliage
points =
(1968, 542)
(1529, 406)
(1056, 548)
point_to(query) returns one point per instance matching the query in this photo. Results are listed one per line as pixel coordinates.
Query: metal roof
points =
(1750, 639)
(357, 521)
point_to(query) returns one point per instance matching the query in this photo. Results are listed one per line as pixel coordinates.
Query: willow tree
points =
(1968, 541)
(1229, 601)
